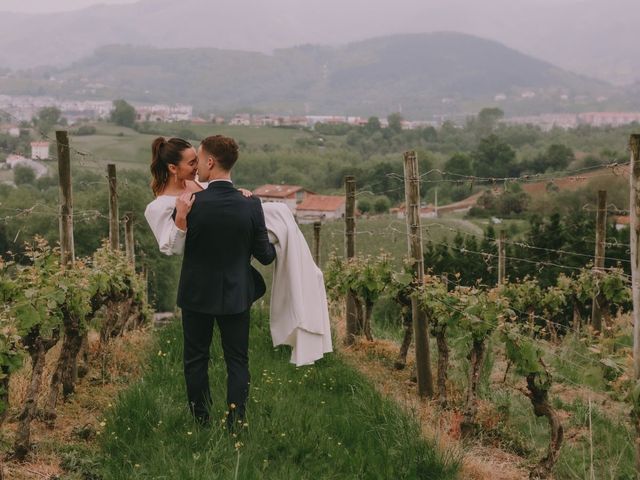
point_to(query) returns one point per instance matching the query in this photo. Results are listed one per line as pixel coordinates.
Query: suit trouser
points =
(234, 333)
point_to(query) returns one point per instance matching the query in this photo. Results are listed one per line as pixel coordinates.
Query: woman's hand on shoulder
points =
(183, 206)
(245, 192)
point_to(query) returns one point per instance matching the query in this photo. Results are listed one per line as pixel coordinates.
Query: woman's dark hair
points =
(164, 153)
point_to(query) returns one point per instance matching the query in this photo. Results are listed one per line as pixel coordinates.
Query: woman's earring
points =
(175, 175)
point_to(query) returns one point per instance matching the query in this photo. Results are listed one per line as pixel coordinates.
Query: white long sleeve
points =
(159, 215)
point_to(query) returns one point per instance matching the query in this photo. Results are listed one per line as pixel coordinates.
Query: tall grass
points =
(322, 422)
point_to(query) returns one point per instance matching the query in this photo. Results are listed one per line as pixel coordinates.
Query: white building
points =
(291, 195)
(321, 207)
(40, 150)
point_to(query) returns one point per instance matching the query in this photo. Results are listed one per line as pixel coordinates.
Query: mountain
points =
(591, 37)
(420, 74)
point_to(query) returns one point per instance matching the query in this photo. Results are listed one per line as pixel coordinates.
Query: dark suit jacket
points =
(225, 229)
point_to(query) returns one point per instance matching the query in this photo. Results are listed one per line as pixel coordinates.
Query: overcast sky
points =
(42, 6)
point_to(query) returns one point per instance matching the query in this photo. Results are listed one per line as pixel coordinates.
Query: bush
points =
(85, 130)
(23, 175)
(364, 205)
(381, 205)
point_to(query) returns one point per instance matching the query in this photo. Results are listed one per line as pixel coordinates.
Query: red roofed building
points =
(321, 207)
(622, 222)
(292, 195)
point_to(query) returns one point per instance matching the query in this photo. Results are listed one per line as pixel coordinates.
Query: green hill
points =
(420, 74)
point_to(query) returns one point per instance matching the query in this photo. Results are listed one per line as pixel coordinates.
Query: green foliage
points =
(366, 276)
(494, 159)
(460, 164)
(23, 175)
(395, 122)
(523, 351)
(364, 205)
(123, 114)
(40, 297)
(381, 205)
(47, 118)
(84, 130)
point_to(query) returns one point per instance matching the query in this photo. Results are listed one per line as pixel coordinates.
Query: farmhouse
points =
(321, 207)
(292, 195)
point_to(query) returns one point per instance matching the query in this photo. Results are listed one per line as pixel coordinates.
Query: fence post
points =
(353, 327)
(502, 270)
(414, 239)
(128, 238)
(601, 233)
(316, 242)
(114, 225)
(67, 250)
(634, 207)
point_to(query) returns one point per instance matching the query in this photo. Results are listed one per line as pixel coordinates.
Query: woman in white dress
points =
(299, 314)
(174, 165)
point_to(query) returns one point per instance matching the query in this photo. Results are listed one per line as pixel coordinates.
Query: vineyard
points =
(530, 355)
(52, 299)
(519, 336)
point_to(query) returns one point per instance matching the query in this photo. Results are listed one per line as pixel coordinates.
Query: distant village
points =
(25, 108)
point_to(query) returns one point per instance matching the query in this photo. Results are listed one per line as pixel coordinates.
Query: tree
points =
(487, 120)
(395, 122)
(364, 205)
(47, 118)
(373, 125)
(381, 205)
(559, 156)
(23, 175)
(429, 134)
(123, 114)
(460, 164)
(494, 158)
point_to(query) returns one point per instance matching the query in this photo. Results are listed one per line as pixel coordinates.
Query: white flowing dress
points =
(299, 314)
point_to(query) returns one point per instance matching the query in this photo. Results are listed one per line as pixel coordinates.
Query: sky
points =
(45, 6)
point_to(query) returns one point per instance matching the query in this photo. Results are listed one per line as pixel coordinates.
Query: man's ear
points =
(211, 161)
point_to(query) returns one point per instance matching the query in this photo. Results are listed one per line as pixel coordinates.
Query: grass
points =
(383, 232)
(320, 422)
(131, 150)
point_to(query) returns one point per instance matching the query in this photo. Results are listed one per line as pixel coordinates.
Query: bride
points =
(299, 314)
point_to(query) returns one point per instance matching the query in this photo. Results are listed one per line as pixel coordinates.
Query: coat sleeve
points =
(261, 249)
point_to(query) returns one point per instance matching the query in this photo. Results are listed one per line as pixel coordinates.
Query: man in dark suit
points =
(217, 282)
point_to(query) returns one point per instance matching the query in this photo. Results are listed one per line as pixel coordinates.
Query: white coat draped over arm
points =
(299, 311)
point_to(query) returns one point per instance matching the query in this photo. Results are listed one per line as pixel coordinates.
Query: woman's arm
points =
(170, 238)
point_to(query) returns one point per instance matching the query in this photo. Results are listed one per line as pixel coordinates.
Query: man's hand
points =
(245, 192)
(183, 206)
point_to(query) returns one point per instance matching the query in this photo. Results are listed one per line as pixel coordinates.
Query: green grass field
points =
(317, 422)
(131, 150)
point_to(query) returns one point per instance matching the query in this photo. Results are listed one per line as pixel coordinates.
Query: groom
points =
(217, 282)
